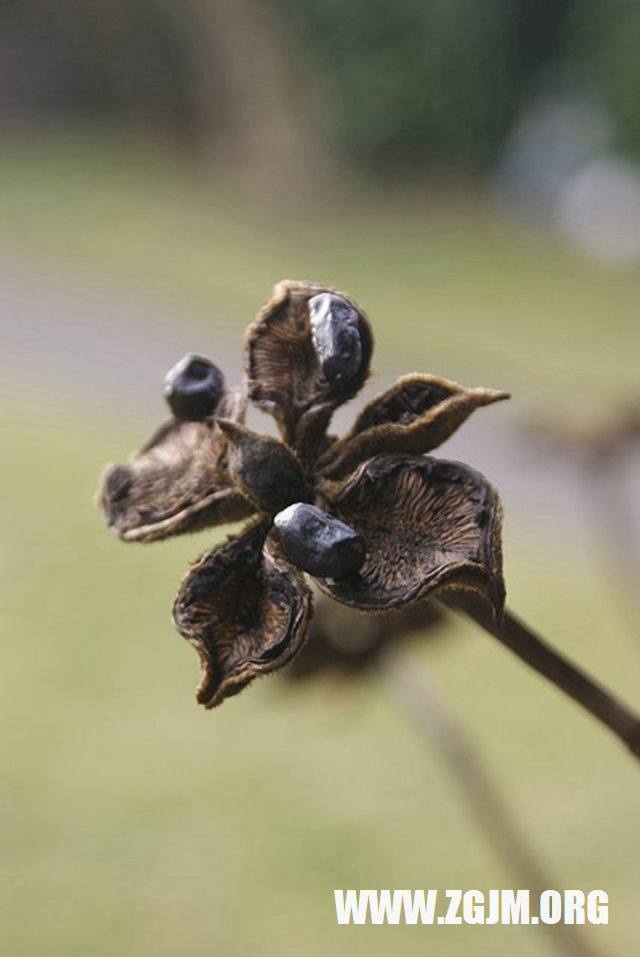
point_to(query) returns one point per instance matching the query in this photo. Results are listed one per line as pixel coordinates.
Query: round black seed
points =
(319, 543)
(193, 387)
(335, 334)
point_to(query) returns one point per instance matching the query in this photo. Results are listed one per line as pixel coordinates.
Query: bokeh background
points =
(467, 171)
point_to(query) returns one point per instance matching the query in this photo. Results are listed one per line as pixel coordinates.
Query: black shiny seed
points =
(335, 335)
(319, 543)
(193, 387)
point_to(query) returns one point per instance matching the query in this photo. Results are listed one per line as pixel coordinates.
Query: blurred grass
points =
(135, 822)
(443, 268)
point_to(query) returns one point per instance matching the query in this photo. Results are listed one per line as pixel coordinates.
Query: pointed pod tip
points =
(232, 430)
(489, 396)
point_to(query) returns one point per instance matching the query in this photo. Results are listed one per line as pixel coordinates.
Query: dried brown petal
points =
(178, 482)
(245, 612)
(283, 372)
(427, 524)
(415, 415)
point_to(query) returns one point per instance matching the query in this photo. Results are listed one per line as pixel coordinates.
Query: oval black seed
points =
(193, 387)
(335, 334)
(319, 543)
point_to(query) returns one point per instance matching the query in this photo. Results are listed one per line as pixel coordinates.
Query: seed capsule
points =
(193, 387)
(319, 543)
(335, 335)
(265, 469)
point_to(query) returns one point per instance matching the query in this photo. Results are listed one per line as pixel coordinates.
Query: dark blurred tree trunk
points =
(261, 130)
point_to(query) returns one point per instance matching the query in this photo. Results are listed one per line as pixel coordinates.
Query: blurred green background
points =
(467, 172)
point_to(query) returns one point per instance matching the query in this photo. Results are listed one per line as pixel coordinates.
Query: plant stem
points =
(418, 697)
(525, 643)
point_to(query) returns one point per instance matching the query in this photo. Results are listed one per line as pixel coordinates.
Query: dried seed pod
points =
(319, 543)
(427, 524)
(415, 415)
(179, 481)
(393, 528)
(265, 469)
(284, 374)
(335, 333)
(245, 613)
(193, 388)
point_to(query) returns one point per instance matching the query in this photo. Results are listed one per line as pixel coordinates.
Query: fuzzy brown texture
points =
(244, 611)
(266, 470)
(178, 482)
(417, 414)
(427, 524)
(283, 375)
(417, 525)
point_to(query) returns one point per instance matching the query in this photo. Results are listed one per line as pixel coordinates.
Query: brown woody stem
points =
(568, 677)
(421, 700)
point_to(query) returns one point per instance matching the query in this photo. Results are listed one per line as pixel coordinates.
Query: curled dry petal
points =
(415, 415)
(284, 361)
(178, 482)
(245, 612)
(427, 524)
